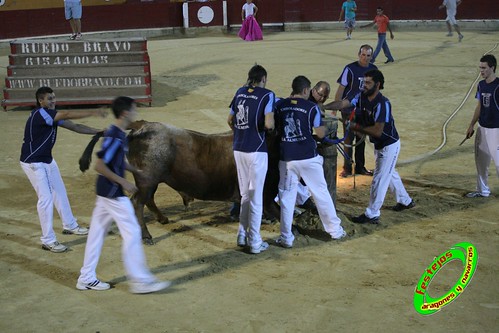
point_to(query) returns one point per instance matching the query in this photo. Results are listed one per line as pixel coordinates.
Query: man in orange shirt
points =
(382, 22)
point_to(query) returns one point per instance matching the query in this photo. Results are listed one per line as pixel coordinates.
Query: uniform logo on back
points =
(292, 129)
(242, 116)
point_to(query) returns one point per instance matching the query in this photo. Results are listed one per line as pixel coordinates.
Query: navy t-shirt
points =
(488, 95)
(296, 118)
(113, 152)
(249, 107)
(352, 78)
(379, 110)
(40, 134)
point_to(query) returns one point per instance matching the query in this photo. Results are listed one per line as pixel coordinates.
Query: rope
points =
(444, 127)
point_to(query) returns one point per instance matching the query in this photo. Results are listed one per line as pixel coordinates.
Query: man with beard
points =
(374, 118)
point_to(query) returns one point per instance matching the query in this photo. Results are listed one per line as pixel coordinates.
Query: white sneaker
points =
(460, 38)
(96, 285)
(76, 231)
(148, 287)
(281, 242)
(450, 34)
(343, 236)
(241, 240)
(263, 247)
(55, 247)
(475, 194)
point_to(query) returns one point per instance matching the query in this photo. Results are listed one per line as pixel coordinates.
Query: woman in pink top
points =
(382, 22)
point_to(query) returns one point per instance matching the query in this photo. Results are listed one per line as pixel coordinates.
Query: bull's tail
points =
(86, 157)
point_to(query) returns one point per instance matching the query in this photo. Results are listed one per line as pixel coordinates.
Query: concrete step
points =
(80, 72)
(60, 47)
(76, 59)
(57, 82)
(87, 92)
(125, 68)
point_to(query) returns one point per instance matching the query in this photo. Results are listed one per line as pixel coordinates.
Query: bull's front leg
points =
(151, 205)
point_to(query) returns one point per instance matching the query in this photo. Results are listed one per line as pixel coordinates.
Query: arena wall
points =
(46, 17)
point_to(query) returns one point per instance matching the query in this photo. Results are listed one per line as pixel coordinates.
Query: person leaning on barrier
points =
(72, 13)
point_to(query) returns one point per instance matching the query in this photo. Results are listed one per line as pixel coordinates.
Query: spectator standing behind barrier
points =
(251, 114)
(374, 118)
(383, 23)
(296, 117)
(349, 8)
(487, 133)
(250, 30)
(36, 160)
(350, 83)
(450, 20)
(113, 205)
(73, 12)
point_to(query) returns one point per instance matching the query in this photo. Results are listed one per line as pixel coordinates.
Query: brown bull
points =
(198, 166)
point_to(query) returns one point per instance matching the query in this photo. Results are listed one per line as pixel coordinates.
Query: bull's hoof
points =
(163, 220)
(148, 241)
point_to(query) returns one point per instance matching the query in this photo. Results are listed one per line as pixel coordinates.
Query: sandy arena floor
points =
(365, 284)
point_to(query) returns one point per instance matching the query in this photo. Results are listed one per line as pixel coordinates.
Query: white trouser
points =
(386, 177)
(251, 172)
(47, 182)
(121, 211)
(302, 194)
(313, 175)
(451, 16)
(486, 149)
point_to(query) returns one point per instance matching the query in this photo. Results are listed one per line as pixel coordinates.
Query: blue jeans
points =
(382, 44)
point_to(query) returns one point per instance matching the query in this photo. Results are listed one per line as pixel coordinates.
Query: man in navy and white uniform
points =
(487, 115)
(297, 117)
(350, 83)
(251, 114)
(374, 118)
(41, 169)
(112, 204)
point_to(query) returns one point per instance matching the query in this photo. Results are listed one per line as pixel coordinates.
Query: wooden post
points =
(330, 154)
